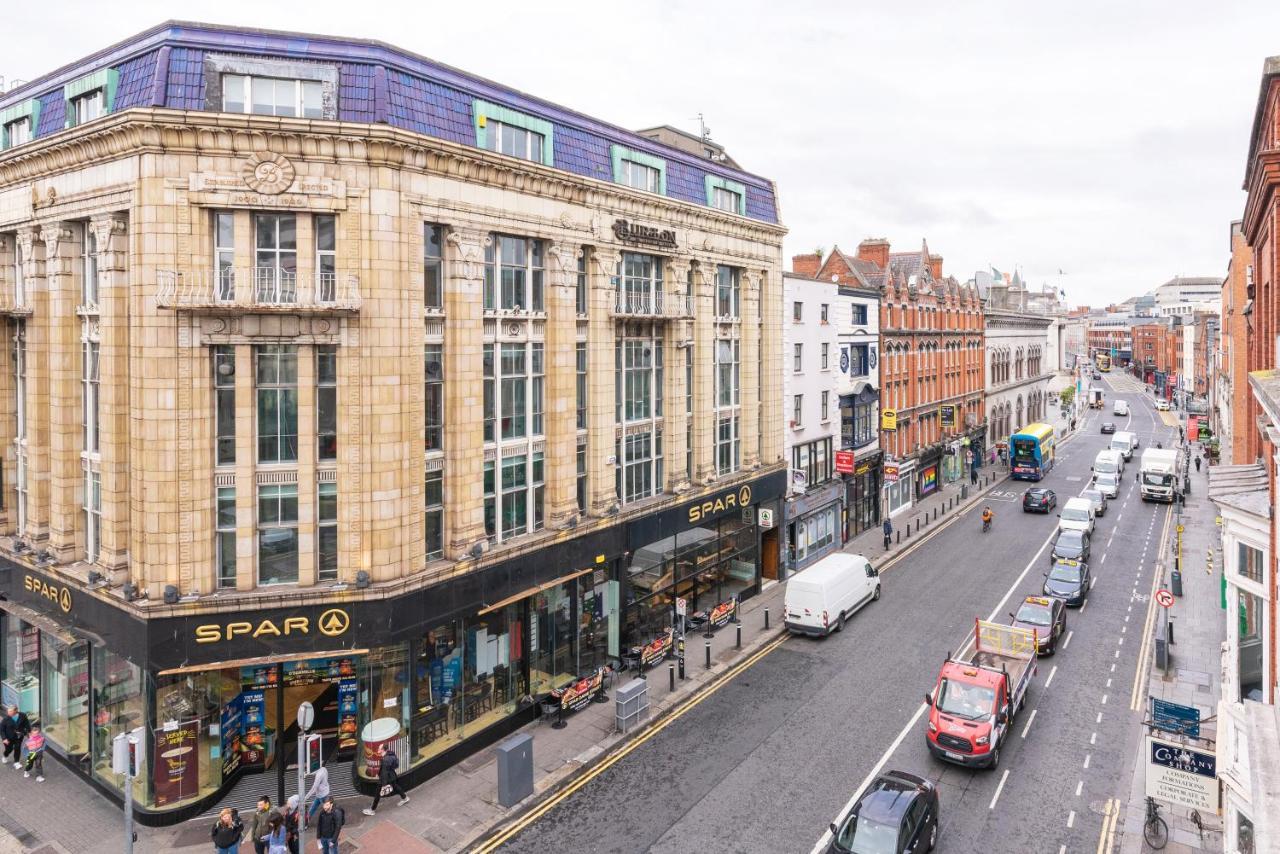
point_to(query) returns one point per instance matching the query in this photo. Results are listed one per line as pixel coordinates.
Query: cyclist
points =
(987, 516)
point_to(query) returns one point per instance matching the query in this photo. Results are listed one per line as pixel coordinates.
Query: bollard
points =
(671, 674)
(738, 643)
(708, 634)
(680, 662)
(899, 535)
(766, 619)
(708, 655)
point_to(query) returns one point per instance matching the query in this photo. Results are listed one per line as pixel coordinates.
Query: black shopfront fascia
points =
(345, 622)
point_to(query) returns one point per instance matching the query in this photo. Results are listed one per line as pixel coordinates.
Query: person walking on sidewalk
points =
(316, 794)
(35, 754)
(1197, 465)
(388, 780)
(329, 825)
(292, 815)
(13, 730)
(260, 825)
(887, 527)
(276, 838)
(226, 832)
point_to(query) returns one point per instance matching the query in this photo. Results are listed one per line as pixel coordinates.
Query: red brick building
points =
(1230, 396)
(931, 365)
(1157, 354)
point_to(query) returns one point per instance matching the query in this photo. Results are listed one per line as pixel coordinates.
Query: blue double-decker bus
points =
(1031, 452)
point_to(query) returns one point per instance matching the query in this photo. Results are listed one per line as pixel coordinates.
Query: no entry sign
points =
(1164, 598)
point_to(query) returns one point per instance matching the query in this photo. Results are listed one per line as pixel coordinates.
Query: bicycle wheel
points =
(1156, 832)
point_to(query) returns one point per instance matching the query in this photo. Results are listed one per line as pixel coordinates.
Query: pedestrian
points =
(35, 753)
(259, 826)
(316, 794)
(1197, 465)
(276, 837)
(291, 815)
(973, 475)
(887, 527)
(13, 730)
(226, 832)
(329, 825)
(388, 780)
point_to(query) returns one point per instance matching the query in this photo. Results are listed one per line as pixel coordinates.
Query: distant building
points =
(1017, 380)
(1188, 289)
(690, 143)
(1231, 389)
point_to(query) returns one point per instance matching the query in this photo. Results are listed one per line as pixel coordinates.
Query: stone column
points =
(246, 479)
(111, 237)
(771, 426)
(749, 353)
(560, 391)
(31, 241)
(704, 342)
(601, 373)
(464, 392)
(675, 435)
(8, 400)
(62, 248)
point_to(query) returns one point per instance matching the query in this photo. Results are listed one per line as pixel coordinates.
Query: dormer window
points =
(639, 170)
(514, 134)
(725, 200)
(272, 96)
(17, 132)
(726, 195)
(91, 97)
(515, 141)
(89, 106)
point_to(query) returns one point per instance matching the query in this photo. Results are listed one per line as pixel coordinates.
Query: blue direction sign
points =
(1174, 717)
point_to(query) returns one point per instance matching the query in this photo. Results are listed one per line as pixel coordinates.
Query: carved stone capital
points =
(606, 262)
(468, 250)
(27, 238)
(563, 258)
(106, 226)
(55, 235)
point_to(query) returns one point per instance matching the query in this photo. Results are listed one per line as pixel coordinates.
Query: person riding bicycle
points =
(987, 516)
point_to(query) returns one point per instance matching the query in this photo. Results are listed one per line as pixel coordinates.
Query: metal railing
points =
(257, 288)
(653, 304)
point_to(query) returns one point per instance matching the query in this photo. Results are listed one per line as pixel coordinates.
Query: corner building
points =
(338, 375)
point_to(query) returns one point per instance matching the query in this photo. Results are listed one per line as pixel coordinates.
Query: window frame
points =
(433, 396)
(528, 489)
(728, 291)
(225, 536)
(625, 160)
(88, 268)
(90, 396)
(725, 195)
(92, 506)
(797, 410)
(327, 525)
(326, 393)
(489, 117)
(532, 288)
(433, 237)
(433, 508)
(301, 86)
(281, 354)
(797, 358)
(224, 396)
(279, 492)
(326, 258)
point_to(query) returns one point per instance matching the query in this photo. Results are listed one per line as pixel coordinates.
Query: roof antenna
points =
(703, 130)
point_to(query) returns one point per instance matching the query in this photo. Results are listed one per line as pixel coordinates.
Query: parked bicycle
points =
(1154, 829)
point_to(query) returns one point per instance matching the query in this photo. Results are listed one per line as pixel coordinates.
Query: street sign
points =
(766, 517)
(1175, 717)
(306, 716)
(1181, 776)
(1164, 598)
(682, 606)
(844, 462)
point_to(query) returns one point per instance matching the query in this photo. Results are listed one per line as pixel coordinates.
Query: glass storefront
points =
(814, 536)
(862, 498)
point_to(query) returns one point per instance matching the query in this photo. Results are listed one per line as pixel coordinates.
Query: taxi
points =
(1047, 616)
(1069, 581)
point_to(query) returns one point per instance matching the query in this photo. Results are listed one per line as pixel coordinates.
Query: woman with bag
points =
(388, 780)
(277, 837)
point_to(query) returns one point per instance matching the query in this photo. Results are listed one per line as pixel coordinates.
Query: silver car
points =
(1108, 483)
(1099, 501)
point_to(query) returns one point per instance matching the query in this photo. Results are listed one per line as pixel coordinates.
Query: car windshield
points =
(1094, 495)
(1151, 479)
(1035, 615)
(965, 701)
(1108, 479)
(863, 836)
(1075, 514)
(1024, 450)
(1065, 572)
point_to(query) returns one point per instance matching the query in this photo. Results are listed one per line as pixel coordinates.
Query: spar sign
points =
(1180, 775)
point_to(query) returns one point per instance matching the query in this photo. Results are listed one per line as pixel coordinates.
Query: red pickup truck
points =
(971, 709)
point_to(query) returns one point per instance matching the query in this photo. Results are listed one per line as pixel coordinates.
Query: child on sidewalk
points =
(35, 753)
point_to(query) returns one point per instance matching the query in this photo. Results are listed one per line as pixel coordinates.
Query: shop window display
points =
(384, 706)
(553, 641)
(64, 679)
(439, 678)
(21, 685)
(597, 621)
(118, 706)
(186, 760)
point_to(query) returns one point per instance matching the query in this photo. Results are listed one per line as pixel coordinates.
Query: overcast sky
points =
(1103, 139)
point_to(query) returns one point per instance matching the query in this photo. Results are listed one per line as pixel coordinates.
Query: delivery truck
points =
(1158, 474)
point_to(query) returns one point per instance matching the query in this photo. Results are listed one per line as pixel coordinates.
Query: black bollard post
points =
(899, 535)
(671, 673)
(738, 644)
(708, 654)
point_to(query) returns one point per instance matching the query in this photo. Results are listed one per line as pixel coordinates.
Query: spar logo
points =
(734, 499)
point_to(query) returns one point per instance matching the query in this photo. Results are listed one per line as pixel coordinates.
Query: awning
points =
(525, 594)
(45, 624)
(266, 659)
(863, 391)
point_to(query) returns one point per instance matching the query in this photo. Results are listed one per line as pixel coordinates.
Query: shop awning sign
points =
(844, 462)
(1179, 775)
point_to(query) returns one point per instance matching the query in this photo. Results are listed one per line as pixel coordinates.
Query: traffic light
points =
(128, 752)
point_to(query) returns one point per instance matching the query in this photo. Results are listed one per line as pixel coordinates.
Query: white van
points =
(1120, 407)
(1108, 462)
(820, 597)
(1124, 442)
(1076, 515)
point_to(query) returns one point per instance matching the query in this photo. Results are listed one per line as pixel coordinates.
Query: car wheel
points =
(875, 597)
(840, 624)
(995, 757)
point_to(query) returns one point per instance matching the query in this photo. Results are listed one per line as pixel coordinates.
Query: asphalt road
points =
(768, 761)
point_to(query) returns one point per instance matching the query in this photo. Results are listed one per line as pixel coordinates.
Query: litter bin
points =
(1175, 582)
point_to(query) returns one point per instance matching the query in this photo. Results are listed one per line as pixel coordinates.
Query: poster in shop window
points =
(176, 771)
(347, 690)
(928, 480)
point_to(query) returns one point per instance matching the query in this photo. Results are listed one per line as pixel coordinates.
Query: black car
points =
(897, 813)
(1069, 581)
(1108, 426)
(1047, 616)
(1072, 545)
(1037, 499)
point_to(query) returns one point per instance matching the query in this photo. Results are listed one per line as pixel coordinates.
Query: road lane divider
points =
(1145, 642)
(1027, 728)
(999, 789)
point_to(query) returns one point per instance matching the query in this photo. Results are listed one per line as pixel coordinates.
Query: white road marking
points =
(1108, 683)
(1071, 818)
(1026, 728)
(1113, 668)
(1130, 609)
(1093, 581)
(999, 789)
(1104, 699)
(1126, 616)
(1093, 738)
(1121, 644)
(1051, 675)
(1124, 629)
(1066, 643)
(1099, 718)
(1117, 655)
(1083, 606)
(1104, 560)
(1079, 787)
(1087, 757)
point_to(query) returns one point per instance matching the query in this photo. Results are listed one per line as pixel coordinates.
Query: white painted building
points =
(858, 388)
(812, 519)
(1017, 373)
(1188, 289)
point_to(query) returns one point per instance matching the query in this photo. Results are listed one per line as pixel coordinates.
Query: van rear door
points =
(804, 605)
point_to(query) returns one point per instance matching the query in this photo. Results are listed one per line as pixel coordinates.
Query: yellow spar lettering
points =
(709, 507)
(333, 622)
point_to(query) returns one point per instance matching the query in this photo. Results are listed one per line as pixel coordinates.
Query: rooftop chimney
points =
(875, 250)
(807, 265)
(935, 267)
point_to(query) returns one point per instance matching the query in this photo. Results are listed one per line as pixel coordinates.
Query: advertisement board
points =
(844, 462)
(1179, 775)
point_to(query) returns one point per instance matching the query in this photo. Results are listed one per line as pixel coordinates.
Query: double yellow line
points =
(1110, 817)
(508, 833)
(1144, 649)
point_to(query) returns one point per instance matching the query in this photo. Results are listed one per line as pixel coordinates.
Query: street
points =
(767, 762)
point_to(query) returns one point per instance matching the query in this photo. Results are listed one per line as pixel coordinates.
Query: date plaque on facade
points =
(647, 235)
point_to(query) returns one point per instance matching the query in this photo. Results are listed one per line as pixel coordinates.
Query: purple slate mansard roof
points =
(378, 83)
